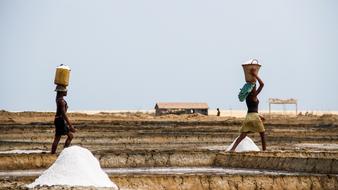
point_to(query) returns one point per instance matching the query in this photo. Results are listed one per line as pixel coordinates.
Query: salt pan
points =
(245, 145)
(21, 151)
(75, 166)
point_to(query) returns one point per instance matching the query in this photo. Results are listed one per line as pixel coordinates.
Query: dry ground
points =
(138, 140)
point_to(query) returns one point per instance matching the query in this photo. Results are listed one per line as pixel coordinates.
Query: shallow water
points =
(167, 171)
(23, 151)
(318, 146)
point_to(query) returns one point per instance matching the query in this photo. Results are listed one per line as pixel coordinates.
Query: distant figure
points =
(218, 112)
(253, 122)
(61, 121)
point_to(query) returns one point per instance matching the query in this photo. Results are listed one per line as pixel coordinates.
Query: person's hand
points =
(72, 129)
(262, 118)
(253, 72)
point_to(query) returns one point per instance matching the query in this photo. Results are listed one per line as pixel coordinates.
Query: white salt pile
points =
(75, 166)
(245, 145)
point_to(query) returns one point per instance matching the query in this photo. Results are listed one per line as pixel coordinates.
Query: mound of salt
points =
(75, 166)
(245, 145)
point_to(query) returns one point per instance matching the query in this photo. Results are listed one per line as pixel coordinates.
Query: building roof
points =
(282, 101)
(181, 105)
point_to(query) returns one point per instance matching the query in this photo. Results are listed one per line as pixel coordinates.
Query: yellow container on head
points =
(62, 75)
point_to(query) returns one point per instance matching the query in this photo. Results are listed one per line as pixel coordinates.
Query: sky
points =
(130, 54)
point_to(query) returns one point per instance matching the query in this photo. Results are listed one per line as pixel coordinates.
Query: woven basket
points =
(247, 70)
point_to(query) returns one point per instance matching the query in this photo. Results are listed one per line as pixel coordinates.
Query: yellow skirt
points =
(252, 123)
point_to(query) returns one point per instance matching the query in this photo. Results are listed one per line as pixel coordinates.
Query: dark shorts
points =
(61, 127)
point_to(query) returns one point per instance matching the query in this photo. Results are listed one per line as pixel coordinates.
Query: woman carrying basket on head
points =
(253, 122)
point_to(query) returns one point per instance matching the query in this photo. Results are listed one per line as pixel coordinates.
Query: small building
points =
(162, 108)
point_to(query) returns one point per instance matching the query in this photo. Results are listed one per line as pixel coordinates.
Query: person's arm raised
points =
(261, 83)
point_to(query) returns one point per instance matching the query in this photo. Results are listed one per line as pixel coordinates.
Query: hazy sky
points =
(130, 54)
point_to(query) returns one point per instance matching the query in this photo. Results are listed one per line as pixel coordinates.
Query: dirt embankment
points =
(288, 162)
(26, 161)
(325, 163)
(226, 182)
(48, 117)
(199, 182)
